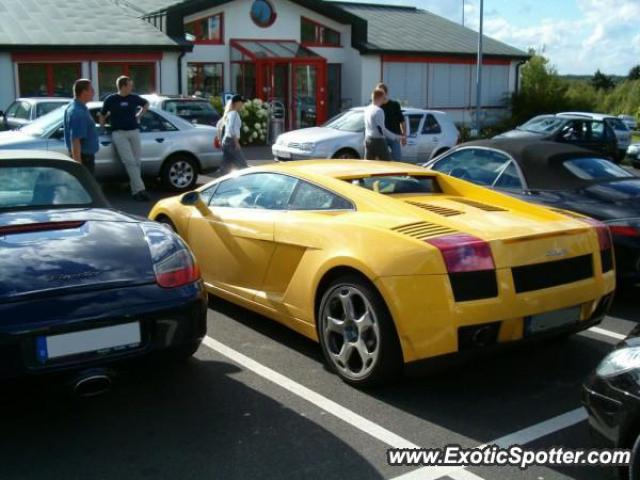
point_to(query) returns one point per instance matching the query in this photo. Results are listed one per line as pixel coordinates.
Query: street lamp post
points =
(479, 72)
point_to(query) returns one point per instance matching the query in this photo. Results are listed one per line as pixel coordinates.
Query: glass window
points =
(431, 126)
(595, 169)
(268, 191)
(349, 121)
(142, 74)
(542, 124)
(414, 124)
(334, 94)
(20, 110)
(243, 78)
(617, 124)
(310, 197)
(206, 30)
(205, 79)
(477, 165)
(40, 187)
(46, 107)
(207, 193)
(188, 108)
(152, 122)
(47, 79)
(314, 33)
(45, 124)
(509, 179)
(394, 184)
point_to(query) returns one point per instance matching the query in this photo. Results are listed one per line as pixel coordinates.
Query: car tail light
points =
(625, 228)
(216, 143)
(604, 234)
(464, 253)
(173, 263)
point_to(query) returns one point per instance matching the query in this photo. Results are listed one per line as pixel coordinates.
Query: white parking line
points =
(607, 333)
(374, 430)
(337, 410)
(520, 437)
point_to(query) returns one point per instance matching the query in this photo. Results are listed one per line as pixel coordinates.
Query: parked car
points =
(559, 176)
(634, 154)
(630, 121)
(192, 109)
(611, 396)
(172, 148)
(25, 110)
(622, 132)
(593, 134)
(388, 264)
(429, 133)
(82, 285)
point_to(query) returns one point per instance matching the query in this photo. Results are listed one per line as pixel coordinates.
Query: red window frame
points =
(198, 30)
(200, 73)
(125, 66)
(318, 42)
(51, 83)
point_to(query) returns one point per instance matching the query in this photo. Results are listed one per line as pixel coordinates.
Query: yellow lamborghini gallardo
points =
(388, 264)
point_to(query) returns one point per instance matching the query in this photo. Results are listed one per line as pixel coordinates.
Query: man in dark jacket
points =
(394, 122)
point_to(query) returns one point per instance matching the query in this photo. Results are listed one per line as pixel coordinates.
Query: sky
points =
(578, 36)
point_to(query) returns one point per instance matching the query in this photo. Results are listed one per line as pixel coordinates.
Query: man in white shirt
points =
(375, 132)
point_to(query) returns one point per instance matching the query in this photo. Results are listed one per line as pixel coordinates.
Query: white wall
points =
(238, 25)
(371, 76)
(167, 80)
(8, 89)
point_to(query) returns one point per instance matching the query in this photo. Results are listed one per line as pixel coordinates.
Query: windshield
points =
(188, 107)
(349, 121)
(617, 124)
(40, 187)
(395, 184)
(542, 124)
(45, 124)
(595, 169)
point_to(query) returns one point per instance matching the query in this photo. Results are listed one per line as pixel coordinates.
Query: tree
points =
(634, 73)
(600, 81)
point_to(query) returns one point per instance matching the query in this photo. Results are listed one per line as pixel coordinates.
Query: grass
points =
(635, 138)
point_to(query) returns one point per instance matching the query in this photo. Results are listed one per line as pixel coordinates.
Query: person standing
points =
(232, 155)
(375, 132)
(80, 133)
(125, 110)
(394, 121)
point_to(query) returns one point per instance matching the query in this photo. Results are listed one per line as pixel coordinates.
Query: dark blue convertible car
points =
(83, 286)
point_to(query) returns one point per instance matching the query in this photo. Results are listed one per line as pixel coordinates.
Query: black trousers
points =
(89, 161)
(375, 148)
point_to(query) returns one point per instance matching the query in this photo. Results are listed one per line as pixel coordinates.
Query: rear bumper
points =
(168, 318)
(430, 322)
(210, 161)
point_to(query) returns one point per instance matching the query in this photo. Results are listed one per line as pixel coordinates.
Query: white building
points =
(314, 56)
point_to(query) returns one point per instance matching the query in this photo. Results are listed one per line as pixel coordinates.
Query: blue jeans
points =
(396, 150)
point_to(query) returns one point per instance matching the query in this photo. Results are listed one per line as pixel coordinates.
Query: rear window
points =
(396, 184)
(40, 187)
(188, 107)
(617, 124)
(45, 107)
(595, 169)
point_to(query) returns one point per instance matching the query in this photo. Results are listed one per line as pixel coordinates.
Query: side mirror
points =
(191, 199)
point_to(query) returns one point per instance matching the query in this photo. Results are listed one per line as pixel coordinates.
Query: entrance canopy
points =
(256, 50)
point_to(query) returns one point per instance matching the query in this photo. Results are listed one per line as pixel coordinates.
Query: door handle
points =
(159, 140)
(105, 143)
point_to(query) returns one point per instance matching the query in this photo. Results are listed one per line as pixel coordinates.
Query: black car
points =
(611, 396)
(83, 286)
(590, 133)
(559, 176)
(192, 109)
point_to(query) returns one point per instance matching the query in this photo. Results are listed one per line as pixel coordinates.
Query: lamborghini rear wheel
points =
(357, 334)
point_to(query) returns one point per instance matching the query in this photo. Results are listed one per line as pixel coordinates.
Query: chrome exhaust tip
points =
(92, 383)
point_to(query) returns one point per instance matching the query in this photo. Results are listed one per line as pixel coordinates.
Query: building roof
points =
(30, 24)
(143, 7)
(410, 30)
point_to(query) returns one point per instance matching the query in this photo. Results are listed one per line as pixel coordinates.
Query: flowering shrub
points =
(255, 115)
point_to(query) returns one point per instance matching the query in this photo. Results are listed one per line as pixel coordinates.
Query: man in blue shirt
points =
(124, 111)
(80, 133)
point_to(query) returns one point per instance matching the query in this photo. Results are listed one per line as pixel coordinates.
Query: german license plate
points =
(551, 320)
(97, 340)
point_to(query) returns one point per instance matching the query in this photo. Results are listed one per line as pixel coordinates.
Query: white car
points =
(634, 153)
(620, 128)
(430, 133)
(172, 148)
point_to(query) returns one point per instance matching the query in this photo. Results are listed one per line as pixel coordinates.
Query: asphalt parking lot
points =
(257, 402)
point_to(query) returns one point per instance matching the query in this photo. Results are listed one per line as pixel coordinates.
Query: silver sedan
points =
(172, 148)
